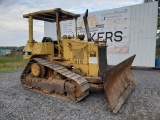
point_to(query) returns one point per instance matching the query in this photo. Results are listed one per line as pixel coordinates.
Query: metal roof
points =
(50, 15)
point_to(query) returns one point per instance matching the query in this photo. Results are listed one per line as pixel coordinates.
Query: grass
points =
(12, 62)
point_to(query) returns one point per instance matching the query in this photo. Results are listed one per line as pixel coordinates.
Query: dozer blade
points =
(118, 84)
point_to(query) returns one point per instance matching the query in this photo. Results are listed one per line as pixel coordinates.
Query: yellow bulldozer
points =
(71, 67)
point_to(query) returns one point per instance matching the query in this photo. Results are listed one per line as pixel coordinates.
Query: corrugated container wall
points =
(50, 30)
(142, 35)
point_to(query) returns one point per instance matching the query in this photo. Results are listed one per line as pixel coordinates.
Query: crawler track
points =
(82, 86)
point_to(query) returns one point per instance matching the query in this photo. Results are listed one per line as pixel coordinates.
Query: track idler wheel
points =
(37, 70)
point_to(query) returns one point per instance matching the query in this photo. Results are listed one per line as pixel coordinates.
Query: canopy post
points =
(58, 33)
(30, 20)
(76, 26)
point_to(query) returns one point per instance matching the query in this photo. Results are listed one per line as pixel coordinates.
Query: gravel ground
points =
(17, 103)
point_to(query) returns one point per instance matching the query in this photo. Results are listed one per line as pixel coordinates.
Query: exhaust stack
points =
(86, 25)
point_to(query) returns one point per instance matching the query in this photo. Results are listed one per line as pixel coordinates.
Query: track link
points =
(71, 76)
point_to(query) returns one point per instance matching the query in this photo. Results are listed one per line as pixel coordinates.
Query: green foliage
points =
(158, 2)
(158, 40)
(158, 46)
(12, 62)
(158, 24)
(13, 48)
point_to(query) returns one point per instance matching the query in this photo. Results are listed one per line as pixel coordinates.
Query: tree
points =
(158, 45)
(158, 35)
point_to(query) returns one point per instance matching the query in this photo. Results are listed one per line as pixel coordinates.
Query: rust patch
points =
(116, 82)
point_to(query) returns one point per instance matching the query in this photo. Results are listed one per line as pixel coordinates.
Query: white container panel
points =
(142, 33)
(50, 30)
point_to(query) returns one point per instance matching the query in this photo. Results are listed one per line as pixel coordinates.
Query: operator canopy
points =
(50, 15)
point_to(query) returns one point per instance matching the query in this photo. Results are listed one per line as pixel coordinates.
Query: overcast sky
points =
(14, 28)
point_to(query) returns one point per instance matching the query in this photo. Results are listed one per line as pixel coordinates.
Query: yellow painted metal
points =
(30, 29)
(93, 59)
(27, 49)
(82, 55)
(46, 48)
(58, 33)
(49, 15)
(39, 48)
(35, 69)
(76, 26)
